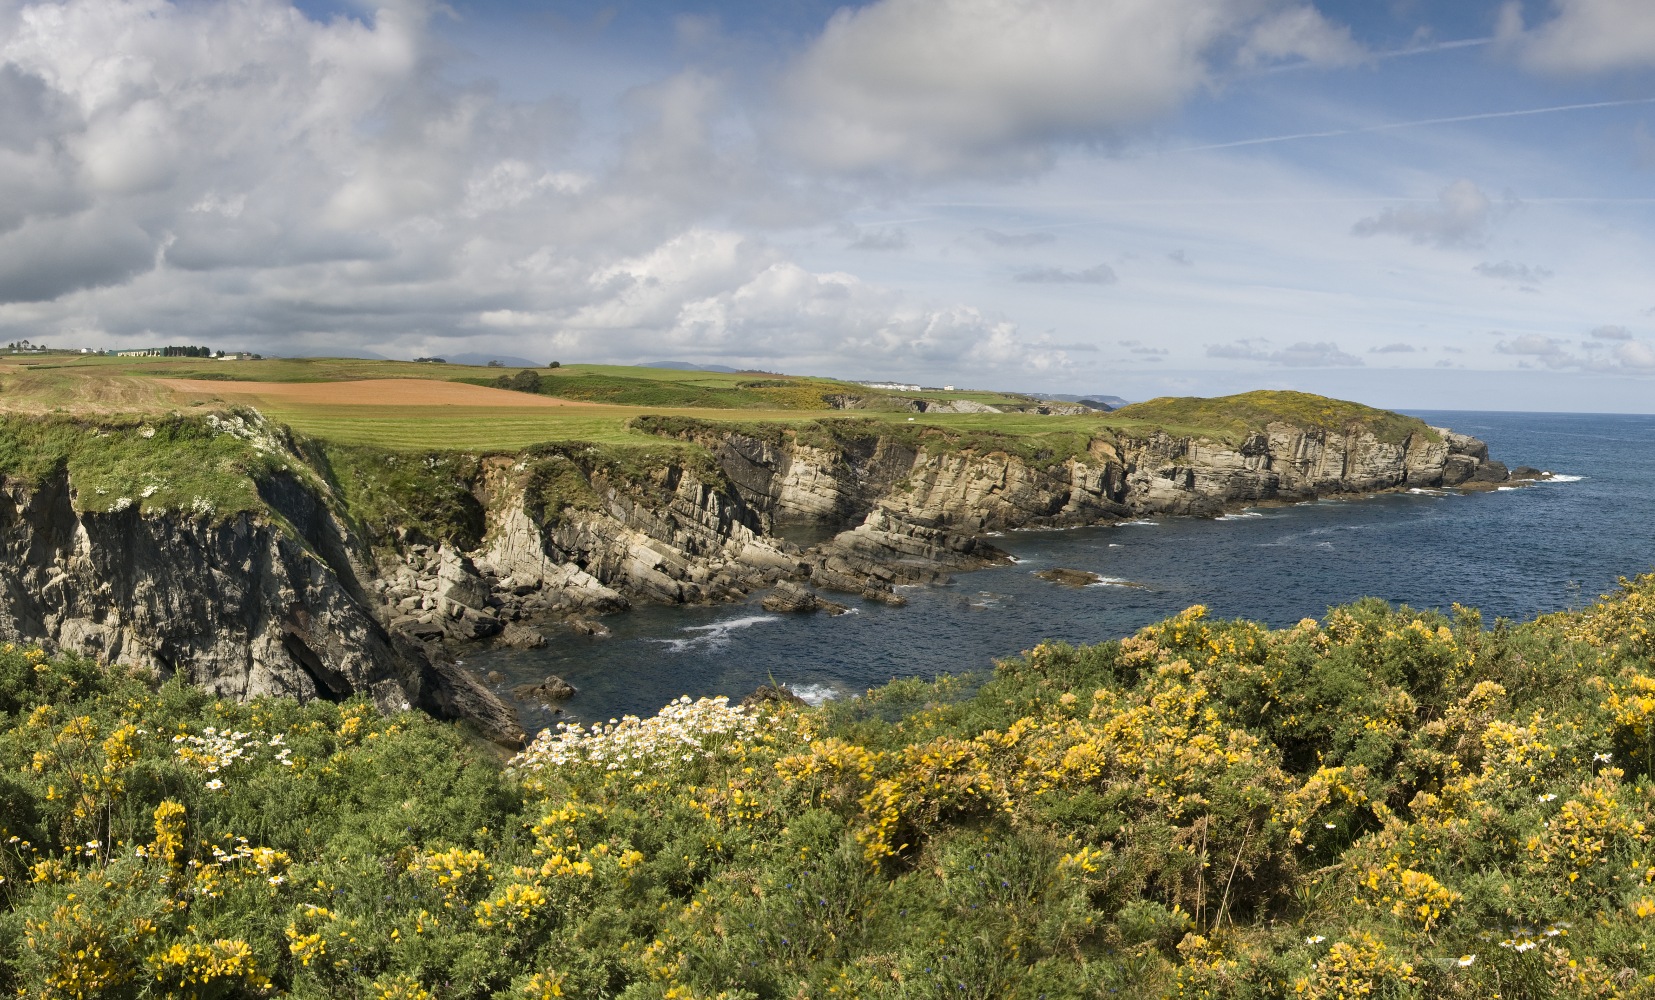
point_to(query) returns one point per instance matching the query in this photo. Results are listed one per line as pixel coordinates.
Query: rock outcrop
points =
(241, 607)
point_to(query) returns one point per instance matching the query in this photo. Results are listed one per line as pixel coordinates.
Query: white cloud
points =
(930, 87)
(1461, 217)
(1612, 333)
(1303, 33)
(1583, 36)
(1322, 354)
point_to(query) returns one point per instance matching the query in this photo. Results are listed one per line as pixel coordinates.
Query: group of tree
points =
(526, 380)
(190, 352)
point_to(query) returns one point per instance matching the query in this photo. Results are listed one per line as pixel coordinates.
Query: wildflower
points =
(1328, 826)
(1549, 796)
(1465, 961)
(214, 785)
(1314, 939)
(1602, 758)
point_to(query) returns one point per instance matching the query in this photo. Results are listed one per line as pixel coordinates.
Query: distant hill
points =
(1097, 401)
(685, 366)
(506, 360)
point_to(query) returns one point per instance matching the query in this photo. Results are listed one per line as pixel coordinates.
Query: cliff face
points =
(304, 599)
(243, 607)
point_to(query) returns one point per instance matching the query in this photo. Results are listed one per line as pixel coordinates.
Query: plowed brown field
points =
(368, 392)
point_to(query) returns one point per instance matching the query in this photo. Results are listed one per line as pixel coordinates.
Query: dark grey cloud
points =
(885, 238)
(1101, 274)
(1522, 275)
(47, 259)
(1461, 216)
(1016, 241)
(1612, 333)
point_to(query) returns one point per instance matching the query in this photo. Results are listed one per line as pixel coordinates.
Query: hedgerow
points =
(1382, 803)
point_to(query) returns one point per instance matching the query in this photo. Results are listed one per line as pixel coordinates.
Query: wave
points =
(1115, 581)
(1561, 478)
(813, 694)
(1239, 515)
(715, 635)
(1141, 521)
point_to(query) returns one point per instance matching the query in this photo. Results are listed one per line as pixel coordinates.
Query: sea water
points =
(1512, 553)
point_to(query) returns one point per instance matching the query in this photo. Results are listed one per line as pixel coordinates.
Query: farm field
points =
(407, 406)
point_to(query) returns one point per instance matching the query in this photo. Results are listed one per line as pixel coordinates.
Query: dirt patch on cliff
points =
(366, 392)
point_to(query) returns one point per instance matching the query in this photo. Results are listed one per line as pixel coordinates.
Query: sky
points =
(1416, 204)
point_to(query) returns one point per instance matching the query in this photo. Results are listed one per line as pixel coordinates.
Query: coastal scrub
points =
(1384, 802)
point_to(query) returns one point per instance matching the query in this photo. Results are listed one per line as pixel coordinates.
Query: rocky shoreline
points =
(308, 602)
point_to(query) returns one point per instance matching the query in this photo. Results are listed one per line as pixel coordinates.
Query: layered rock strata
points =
(303, 600)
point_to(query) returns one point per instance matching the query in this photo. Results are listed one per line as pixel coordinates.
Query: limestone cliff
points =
(339, 578)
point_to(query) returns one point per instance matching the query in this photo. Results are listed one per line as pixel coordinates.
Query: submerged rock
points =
(1070, 577)
(551, 689)
(771, 694)
(586, 626)
(518, 637)
(790, 598)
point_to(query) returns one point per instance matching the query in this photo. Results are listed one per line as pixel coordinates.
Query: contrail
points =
(1392, 126)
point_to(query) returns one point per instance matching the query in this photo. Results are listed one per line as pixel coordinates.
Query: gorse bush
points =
(1383, 803)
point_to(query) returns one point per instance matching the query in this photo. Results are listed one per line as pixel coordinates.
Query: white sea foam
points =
(1561, 478)
(1113, 581)
(715, 635)
(1503, 489)
(1239, 515)
(1114, 545)
(1140, 521)
(1425, 492)
(813, 694)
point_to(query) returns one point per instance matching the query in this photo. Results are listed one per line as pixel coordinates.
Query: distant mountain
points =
(506, 360)
(1097, 401)
(685, 366)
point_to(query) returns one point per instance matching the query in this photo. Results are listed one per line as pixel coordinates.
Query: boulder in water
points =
(551, 689)
(1070, 577)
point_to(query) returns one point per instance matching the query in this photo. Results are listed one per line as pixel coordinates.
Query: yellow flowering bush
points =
(1385, 803)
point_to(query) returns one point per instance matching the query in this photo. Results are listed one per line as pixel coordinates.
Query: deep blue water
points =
(1513, 553)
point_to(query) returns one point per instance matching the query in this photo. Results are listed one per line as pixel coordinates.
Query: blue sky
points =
(1413, 204)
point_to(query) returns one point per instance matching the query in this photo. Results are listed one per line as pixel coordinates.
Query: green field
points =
(618, 396)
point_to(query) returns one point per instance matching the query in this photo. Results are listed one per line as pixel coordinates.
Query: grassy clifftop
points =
(1384, 803)
(1234, 417)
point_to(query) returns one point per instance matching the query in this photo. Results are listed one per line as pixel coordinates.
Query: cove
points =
(1511, 552)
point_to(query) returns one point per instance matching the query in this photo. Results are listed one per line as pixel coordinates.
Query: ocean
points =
(1513, 553)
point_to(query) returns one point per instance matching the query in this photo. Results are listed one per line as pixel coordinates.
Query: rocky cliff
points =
(340, 580)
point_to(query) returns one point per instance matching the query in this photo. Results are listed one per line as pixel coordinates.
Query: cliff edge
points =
(222, 549)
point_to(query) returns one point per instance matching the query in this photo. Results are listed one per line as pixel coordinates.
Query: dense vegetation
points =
(1385, 803)
(1235, 417)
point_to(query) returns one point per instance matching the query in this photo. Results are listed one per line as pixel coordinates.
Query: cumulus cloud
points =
(246, 176)
(1302, 33)
(1582, 36)
(1522, 275)
(1102, 274)
(1626, 355)
(1323, 354)
(928, 87)
(1398, 348)
(1548, 351)
(1461, 217)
